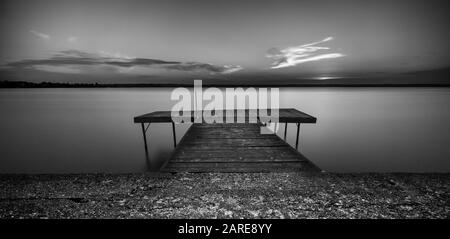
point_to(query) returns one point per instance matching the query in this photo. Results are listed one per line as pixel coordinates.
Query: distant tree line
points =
(44, 84)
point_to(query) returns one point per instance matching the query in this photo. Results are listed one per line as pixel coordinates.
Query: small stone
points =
(228, 213)
(407, 208)
(253, 213)
(231, 201)
(122, 202)
(392, 182)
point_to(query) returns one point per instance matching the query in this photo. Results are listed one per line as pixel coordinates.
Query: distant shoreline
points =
(23, 84)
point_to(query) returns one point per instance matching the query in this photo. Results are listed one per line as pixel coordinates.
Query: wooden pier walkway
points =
(235, 147)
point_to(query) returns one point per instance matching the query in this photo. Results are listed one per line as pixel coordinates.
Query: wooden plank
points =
(255, 165)
(234, 148)
(239, 167)
(237, 170)
(285, 115)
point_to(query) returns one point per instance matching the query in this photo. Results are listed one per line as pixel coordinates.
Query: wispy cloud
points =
(74, 58)
(292, 56)
(40, 35)
(228, 69)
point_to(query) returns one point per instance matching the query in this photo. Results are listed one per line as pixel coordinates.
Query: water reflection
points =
(92, 130)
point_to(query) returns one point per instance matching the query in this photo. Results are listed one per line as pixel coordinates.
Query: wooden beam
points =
(174, 135)
(144, 130)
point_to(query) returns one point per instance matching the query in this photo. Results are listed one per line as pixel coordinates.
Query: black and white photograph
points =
(237, 109)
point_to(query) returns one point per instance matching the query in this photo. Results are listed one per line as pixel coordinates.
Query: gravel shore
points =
(226, 195)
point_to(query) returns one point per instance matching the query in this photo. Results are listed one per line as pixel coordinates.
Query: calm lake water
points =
(92, 130)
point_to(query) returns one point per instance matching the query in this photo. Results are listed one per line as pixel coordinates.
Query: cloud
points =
(228, 69)
(292, 56)
(115, 55)
(72, 59)
(72, 39)
(40, 35)
(195, 66)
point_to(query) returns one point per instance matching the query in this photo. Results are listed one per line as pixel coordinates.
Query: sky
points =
(140, 40)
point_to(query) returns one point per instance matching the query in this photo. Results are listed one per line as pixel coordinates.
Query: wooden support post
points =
(298, 132)
(144, 130)
(285, 130)
(174, 135)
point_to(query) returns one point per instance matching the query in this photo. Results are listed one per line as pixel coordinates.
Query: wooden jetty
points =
(233, 147)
